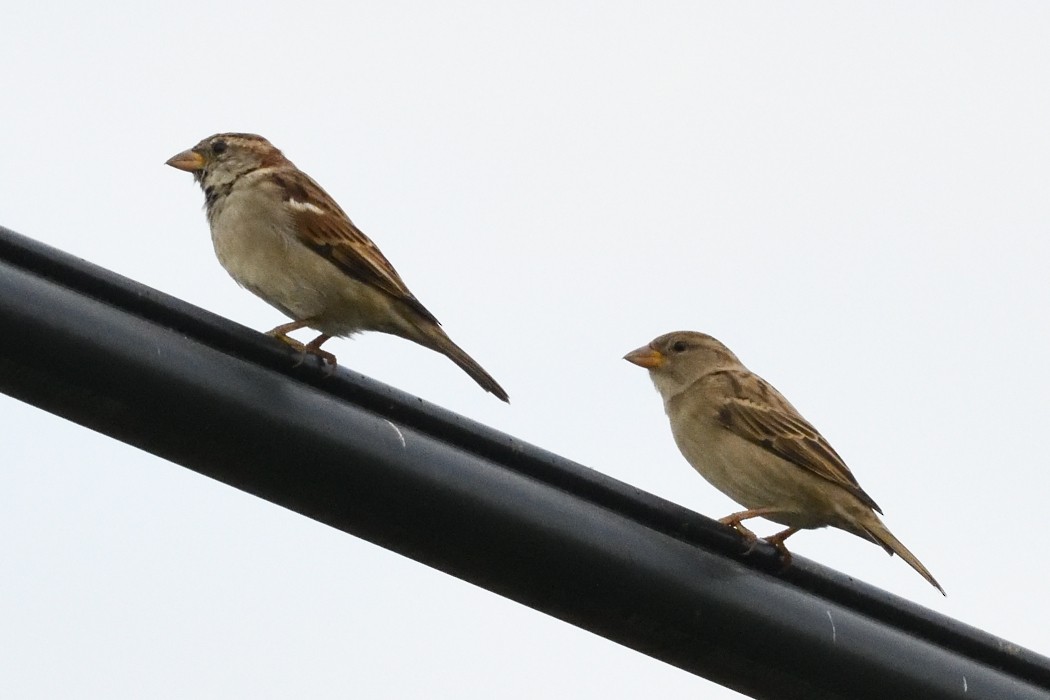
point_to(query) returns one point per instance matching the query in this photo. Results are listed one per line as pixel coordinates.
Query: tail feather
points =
(436, 339)
(875, 530)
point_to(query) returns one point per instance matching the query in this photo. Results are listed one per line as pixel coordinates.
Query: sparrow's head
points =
(676, 360)
(221, 159)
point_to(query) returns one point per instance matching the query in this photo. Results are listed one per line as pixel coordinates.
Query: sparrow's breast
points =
(253, 239)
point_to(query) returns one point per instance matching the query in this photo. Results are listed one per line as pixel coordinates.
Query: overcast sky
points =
(852, 196)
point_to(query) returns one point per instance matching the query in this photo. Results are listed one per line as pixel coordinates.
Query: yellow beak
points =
(645, 357)
(190, 161)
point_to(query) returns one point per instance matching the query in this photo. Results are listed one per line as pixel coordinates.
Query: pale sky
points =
(852, 196)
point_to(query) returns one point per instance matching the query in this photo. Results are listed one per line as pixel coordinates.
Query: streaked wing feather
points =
(338, 240)
(773, 424)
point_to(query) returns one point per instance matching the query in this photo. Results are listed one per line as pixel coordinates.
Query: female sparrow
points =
(282, 237)
(745, 438)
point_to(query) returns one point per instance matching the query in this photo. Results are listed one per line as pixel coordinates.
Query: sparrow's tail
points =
(436, 339)
(876, 531)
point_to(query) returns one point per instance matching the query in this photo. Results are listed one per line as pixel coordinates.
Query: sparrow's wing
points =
(327, 230)
(760, 414)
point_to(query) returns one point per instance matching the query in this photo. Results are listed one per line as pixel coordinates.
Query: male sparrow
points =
(745, 438)
(282, 237)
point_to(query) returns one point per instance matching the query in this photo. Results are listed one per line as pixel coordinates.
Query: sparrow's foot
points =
(314, 348)
(284, 329)
(734, 520)
(304, 350)
(777, 541)
(744, 531)
(750, 537)
(287, 340)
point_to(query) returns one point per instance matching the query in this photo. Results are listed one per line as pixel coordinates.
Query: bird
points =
(749, 442)
(283, 238)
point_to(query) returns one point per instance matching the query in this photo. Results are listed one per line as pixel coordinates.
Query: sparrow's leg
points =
(314, 348)
(281, 333)
(777, 541)
(733, 520)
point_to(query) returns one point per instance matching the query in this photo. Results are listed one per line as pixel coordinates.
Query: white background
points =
(852, 196)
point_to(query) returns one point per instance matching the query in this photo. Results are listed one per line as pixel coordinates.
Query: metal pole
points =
(227, 402)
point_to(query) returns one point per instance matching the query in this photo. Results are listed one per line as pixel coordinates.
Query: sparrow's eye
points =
(218, 147)
(680, 346)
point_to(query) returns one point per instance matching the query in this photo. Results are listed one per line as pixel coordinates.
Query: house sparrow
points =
(745, 438)
(282, 237)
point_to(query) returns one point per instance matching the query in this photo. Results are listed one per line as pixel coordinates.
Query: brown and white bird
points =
(282, 237)
(745, 438)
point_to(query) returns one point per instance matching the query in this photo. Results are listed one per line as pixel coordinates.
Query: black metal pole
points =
(159, 374)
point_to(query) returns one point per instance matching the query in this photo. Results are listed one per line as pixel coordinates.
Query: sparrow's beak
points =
(190, 161)
(645, 357)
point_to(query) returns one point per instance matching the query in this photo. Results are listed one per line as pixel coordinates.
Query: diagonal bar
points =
(229, 403)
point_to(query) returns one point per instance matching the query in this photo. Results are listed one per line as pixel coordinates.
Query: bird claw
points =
(328, 360)
(752, 543)
(287, 340)
(777, 541)
(749, 537)
(743, 531)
